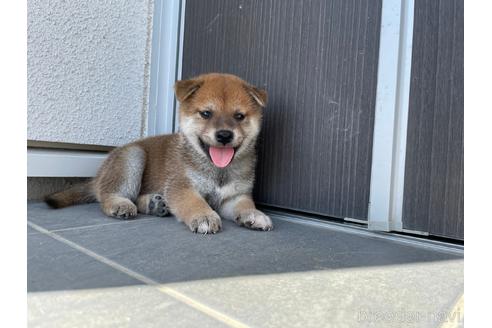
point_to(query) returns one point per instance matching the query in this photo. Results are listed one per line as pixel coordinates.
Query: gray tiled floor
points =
(87, 269)
(53, 265)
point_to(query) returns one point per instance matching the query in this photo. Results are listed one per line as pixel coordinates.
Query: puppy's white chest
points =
(225, 191)
(212, 191)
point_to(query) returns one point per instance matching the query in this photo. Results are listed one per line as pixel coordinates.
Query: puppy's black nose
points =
(224, 136)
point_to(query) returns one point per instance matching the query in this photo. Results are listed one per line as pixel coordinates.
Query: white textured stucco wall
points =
(88, 70)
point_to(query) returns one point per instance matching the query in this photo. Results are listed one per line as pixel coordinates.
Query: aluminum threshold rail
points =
(419, 242)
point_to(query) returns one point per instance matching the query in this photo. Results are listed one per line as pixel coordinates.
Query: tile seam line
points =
(219, 316)
(101, 225)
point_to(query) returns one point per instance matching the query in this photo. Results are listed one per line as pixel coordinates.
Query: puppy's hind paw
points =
(157, 206)
(152, 204)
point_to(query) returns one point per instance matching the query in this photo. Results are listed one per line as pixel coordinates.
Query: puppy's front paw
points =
(209, 223)
(124, 210)
(254, 219)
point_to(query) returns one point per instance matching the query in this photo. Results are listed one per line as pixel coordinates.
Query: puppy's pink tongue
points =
(221, 156)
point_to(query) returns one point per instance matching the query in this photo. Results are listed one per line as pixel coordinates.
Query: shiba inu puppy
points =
(201, 174)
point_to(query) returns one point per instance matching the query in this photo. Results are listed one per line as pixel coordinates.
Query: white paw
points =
(254, 219)
(210, 223)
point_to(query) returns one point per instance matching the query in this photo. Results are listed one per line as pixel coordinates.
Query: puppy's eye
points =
(206, 114)
(239, 116)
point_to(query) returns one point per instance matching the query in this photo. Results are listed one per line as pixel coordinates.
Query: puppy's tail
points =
(78, 194)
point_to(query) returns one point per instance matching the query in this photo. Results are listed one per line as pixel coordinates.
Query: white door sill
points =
(63, 163)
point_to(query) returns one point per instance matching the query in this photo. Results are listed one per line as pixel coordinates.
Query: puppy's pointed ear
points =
(184, 89)
(260, 96)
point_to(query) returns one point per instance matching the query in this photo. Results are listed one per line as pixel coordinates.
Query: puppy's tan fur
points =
(174, 173)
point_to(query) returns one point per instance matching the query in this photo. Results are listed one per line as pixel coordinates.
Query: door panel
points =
(433, 195)
(318, 62)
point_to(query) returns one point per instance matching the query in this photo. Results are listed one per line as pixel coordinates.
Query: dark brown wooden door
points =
(318, 61)
(433, 196)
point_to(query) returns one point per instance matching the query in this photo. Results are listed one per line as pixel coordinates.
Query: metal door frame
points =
(391, 117)
(167, 39)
